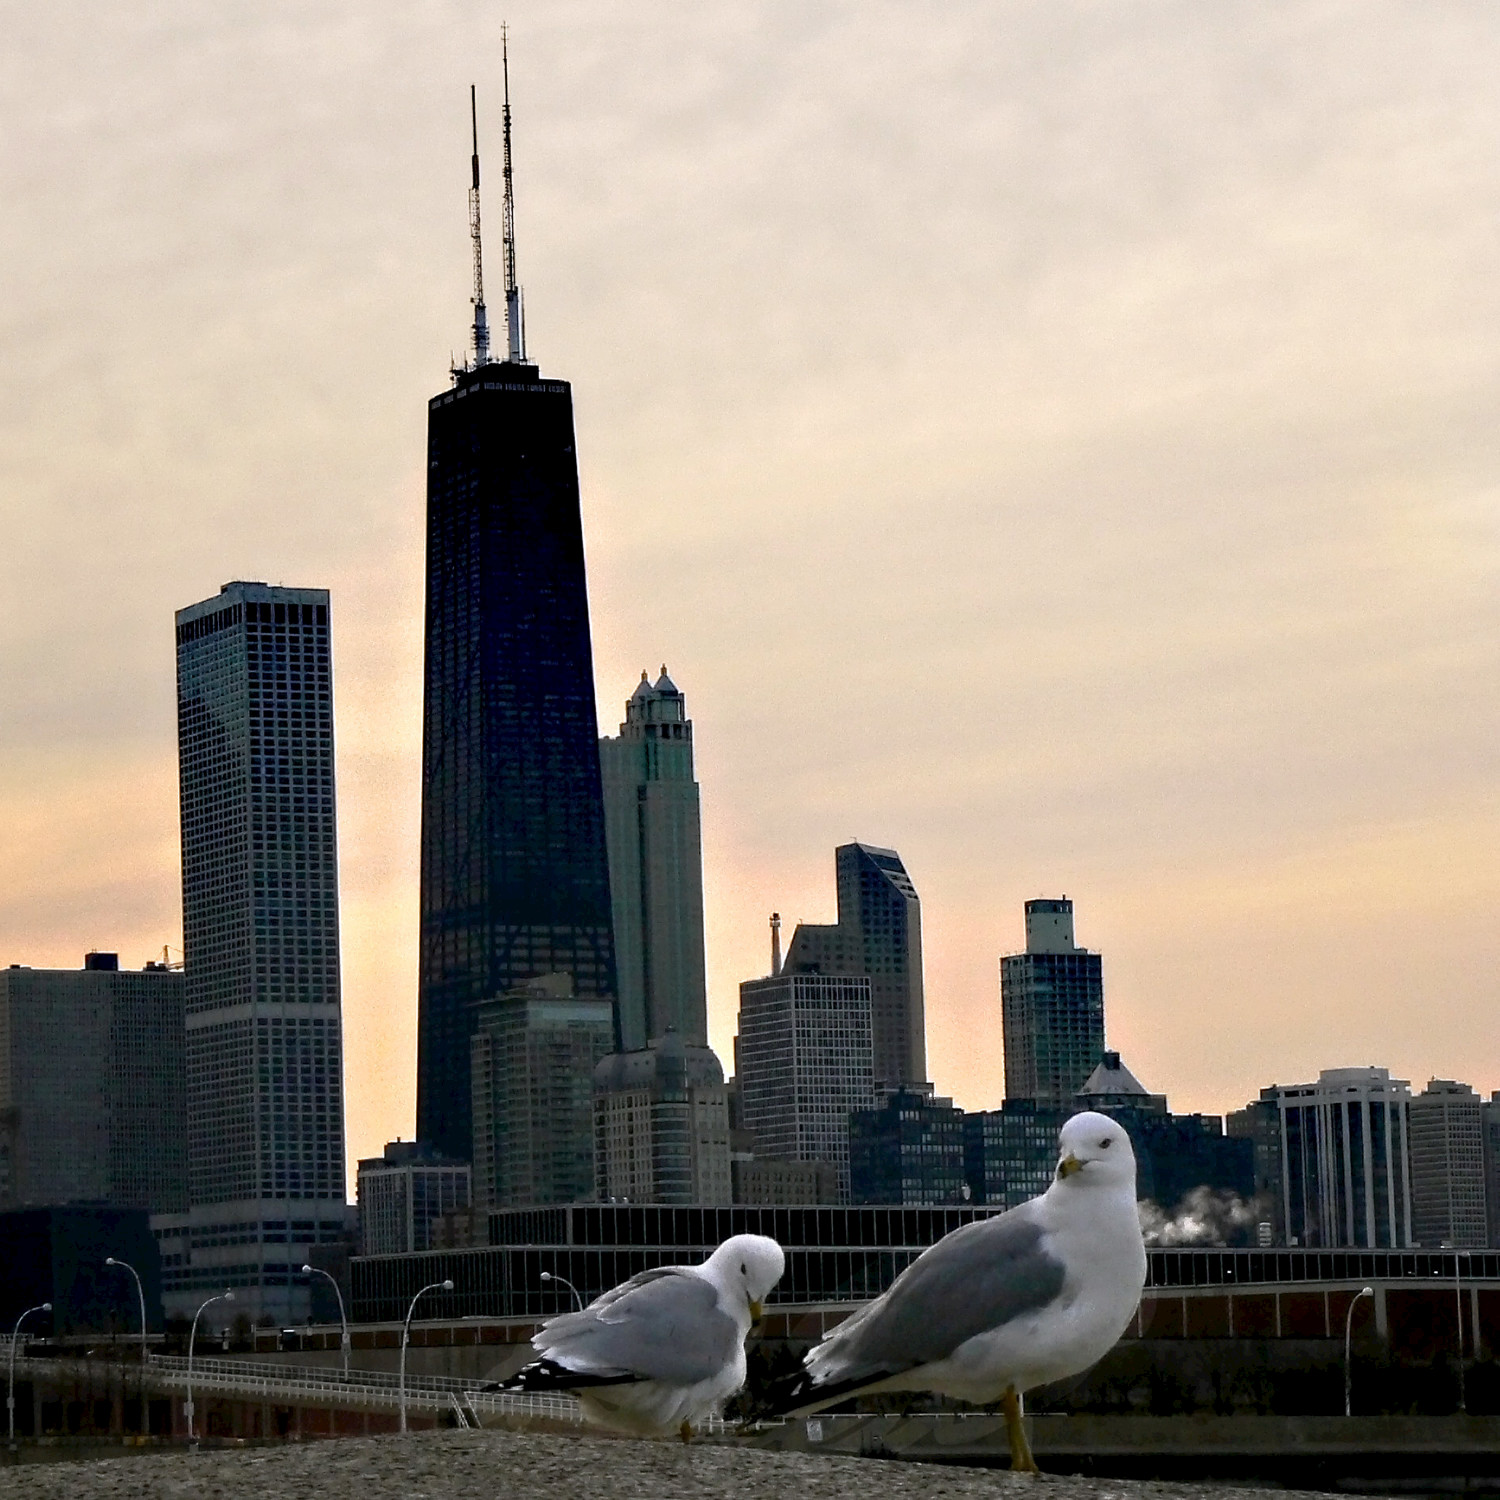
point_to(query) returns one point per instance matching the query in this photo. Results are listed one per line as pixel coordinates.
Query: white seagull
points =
(661, 1351)
(1031, 1296)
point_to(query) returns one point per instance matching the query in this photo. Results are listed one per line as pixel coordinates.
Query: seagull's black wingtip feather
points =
(798, 1393)
(547, 1375)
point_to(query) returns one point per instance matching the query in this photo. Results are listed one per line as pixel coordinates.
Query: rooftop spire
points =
(481, 321)
(514, 326)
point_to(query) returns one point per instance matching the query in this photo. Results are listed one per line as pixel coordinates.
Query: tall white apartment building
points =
(805, 1060)
(260, 915)
(1447, 1166)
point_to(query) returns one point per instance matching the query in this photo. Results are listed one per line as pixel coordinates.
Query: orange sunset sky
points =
(1057, 439)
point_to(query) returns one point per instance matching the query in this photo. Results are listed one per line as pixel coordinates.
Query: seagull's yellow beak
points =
(756, 1311)
(1069, 1165)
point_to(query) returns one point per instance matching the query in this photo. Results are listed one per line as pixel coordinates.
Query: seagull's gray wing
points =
(659, 1325)
(976, 1279)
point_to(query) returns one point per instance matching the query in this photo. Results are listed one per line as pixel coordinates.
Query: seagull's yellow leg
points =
(1021, 1461)
(685, 1432)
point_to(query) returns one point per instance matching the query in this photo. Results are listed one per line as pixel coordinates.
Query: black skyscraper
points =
(515, 880)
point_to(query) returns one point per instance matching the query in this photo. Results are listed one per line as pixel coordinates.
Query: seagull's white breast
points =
(1099, 1244)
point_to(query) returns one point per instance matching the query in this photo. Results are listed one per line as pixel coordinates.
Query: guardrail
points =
(377, 1388)
(318, 1386)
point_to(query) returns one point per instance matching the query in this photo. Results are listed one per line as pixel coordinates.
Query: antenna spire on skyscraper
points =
(514, 328)
(481, 321)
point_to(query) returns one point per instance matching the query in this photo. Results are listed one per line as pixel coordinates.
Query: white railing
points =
(361, 1387)
(275, 1381)
(321, 1374)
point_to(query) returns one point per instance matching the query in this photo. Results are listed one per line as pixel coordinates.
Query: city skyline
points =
(1097, 498)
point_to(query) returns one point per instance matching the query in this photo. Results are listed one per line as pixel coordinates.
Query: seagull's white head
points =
(749, 1264)
(1094, 1151)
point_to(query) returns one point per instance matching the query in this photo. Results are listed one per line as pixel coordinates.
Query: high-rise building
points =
(57, 1255)
(908, 1149)
(1112, 1086)
(532, 1076)
(1447, 1167)
(1051, 1010)
(1010, 1153)
(805, 1062)
(515, 877)
(1259, 1122)
(93, 1088)
(655, 868)
(1345, 1153)
(1489, 1121)
(1178, 1156)
(879, 934)
(661, 1125)
(261, 947)
(402, 1192)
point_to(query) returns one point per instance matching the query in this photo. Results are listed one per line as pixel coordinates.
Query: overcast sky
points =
(1056, 439)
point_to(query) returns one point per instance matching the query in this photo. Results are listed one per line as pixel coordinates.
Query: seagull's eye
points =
(1105, 1143)
(744, 1270)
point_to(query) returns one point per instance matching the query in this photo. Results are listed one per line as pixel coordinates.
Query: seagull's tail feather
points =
(799, 1395)
(548, 1375)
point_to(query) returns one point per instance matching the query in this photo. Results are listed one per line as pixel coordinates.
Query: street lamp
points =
(10, 1396)
(192, 1339)
(343, 1321)
(140, 1292)
(1458, 1317)
(577, 1295)
(435, 1286)
(1458, 1308)
(1368, 1291)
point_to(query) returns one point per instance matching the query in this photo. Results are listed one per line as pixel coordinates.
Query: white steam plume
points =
(1205, 1216)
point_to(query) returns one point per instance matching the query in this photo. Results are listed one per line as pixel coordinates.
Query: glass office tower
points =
(878, 933)
(1051, 1010)
(515, 879)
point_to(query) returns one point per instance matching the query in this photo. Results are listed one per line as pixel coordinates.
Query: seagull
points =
(1001, 1305)
(659, 1352)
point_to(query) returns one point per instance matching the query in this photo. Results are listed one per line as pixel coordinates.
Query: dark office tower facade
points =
(879, 933)
(261, 944)
(93, 1092)
(515, 878)
(908, 1149)
(1051, 1010)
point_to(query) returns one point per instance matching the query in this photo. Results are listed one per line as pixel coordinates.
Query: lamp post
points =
(343, 1321)
(1368, 1291)
(1458, 1308)
(435, 1286)
(10, 1394)
(192, 1339)
(140, 1292)
(577, 1295)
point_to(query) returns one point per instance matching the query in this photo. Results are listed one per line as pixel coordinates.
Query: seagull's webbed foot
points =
(1021, 1460)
